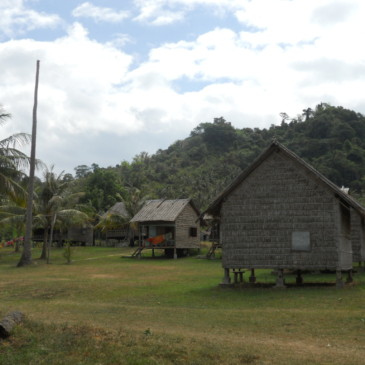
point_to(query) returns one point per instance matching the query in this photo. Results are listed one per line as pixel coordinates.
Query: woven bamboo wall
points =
(80, 235)
(357, 237)
(186, 219)
(259, 217)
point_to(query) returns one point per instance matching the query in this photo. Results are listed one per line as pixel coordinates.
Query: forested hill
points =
(332, 139)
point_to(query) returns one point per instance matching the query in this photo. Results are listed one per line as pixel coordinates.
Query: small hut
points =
(280, 213)
(82, 234)
(170, 225)
(114, 223)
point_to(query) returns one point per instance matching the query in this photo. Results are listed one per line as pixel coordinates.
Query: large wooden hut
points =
(170, 225)
(280, 213)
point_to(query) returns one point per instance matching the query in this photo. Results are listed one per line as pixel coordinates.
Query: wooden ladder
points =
(212, 249)
(137, 251)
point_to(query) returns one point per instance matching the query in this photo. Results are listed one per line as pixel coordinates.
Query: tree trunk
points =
(26, 258)
(44, 247)
(51, 236)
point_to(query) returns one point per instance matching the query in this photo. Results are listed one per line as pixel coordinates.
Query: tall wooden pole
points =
(26, 258)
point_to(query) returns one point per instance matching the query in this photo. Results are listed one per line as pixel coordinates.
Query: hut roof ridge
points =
(118, 208)
(277, 146)
(162, 210)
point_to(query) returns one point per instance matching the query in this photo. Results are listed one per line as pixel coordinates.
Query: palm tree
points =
(12, 220)
(56, 206)
(12, 161)
(53, 206)
(307, 113)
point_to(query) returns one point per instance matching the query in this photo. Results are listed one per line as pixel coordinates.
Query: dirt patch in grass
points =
(104, 276)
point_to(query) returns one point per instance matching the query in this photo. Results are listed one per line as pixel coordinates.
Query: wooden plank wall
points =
(185, 220)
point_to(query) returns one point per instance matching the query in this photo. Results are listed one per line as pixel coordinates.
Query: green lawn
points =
(105, 309)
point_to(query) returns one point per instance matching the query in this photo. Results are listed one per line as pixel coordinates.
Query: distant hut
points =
(82, 234)
(170, 225)
(280, 213)
(115, 224)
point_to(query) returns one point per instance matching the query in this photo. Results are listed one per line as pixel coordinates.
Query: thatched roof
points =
(117, 209)
(162, 210)
(275, 146)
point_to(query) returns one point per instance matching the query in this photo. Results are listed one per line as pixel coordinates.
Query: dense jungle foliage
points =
(330, 138)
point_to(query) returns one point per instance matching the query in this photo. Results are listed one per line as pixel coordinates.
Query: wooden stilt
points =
(241, 276)
(235, 277)
(252, 278)
(238, 275)
(175, 253)
(349, 277)
(299, 278)
(153, 252)
(280, 282)
(226, 278)
(339, 281)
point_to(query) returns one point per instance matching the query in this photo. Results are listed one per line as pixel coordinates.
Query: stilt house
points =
(280, 213)
(80, 234)
(116, 222)
(170, 225)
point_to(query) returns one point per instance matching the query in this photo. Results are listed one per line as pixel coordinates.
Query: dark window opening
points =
(193, 232)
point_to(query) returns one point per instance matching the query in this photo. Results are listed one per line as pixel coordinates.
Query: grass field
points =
(104, 309)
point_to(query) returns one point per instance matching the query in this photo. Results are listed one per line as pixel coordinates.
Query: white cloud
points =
(99, 14)
(162, 12)
(17, 19)
(300, 54)
(120, 40)
(76, 79)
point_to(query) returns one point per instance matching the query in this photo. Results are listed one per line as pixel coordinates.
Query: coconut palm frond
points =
(40, 221)
(3, 115)
(13, 220)
(12, 189)
(20, 139)
(55, 201)
(72, 216)
(73, 199)
(111, 221)
(12, 209)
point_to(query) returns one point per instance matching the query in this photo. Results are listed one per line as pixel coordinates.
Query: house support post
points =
(140, 237)
(299, 278)
(153, 252)
(226, 278)
(175, 253)
(252, 278)
(280, 282)
(349, 277)
(339, 281)
(238, 275)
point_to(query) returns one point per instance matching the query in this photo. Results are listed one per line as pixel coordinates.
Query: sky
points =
(118, 77)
